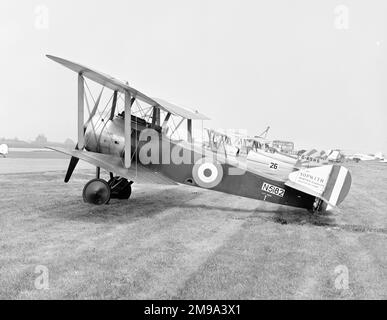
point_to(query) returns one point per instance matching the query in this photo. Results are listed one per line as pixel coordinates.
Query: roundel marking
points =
(207, 173)
(203, 170)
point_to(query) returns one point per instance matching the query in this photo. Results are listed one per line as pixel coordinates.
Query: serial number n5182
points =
(273, 189)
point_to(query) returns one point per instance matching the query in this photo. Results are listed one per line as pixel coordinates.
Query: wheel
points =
(121, 188)
(125, 192)
(96, 191)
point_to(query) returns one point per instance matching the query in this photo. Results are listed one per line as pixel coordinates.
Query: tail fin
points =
(330, 183)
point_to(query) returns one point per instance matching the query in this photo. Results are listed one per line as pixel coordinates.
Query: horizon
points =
(296, 147)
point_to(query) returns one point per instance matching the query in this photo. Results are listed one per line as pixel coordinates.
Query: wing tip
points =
(56, 59)
(50, 56)
(61, 60)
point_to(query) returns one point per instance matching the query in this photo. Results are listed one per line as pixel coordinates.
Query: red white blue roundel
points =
(207, 173)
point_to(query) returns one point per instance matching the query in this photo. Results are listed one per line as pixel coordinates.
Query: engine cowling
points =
(106, 136)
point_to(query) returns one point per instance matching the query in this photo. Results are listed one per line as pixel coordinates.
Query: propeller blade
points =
(70, 169)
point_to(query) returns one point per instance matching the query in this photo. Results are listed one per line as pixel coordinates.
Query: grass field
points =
(186, 243)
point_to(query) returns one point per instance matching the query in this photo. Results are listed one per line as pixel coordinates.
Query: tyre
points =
(96, 191)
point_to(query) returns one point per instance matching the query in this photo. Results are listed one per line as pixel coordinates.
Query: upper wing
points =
(180, 111)
(115, 164)
(117, 85)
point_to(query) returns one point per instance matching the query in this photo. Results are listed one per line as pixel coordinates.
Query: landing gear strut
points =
(121, 188)
(99, 191)
(317, 205)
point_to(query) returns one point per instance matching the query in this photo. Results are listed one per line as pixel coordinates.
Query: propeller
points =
(73, 163)
(82, 126)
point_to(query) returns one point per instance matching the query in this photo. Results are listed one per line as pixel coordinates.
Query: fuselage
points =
(254, 176)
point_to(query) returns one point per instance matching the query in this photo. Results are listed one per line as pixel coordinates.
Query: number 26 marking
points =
(274, 165)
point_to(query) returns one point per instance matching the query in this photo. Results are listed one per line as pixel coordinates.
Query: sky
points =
(314, 71)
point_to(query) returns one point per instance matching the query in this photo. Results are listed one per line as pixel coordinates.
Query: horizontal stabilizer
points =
(330, 183)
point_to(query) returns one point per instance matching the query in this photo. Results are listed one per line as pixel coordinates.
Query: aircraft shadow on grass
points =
(151, 205)
(282, 215)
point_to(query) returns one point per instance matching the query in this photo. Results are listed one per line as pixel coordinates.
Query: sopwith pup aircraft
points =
(136, 138)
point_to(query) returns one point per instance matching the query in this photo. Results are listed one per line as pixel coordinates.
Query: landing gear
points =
(121, 188)
(317, 206)
(98, 191)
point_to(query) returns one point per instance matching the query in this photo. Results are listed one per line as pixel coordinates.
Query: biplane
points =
(260, 149)
(139, 138)
(236, 142)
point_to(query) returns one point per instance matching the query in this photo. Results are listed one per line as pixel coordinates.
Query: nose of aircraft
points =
(90, 137)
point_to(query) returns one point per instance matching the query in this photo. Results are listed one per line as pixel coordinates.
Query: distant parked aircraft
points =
(313, 158)
(366, 157)
(3, 150)
(379, 156)
(335, 156)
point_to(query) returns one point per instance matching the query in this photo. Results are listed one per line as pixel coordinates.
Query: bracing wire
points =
(89, 91)
(175, 130)
(91, 120)
(101, 114)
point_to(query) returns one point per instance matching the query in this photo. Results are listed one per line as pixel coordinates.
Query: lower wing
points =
(111, 163)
